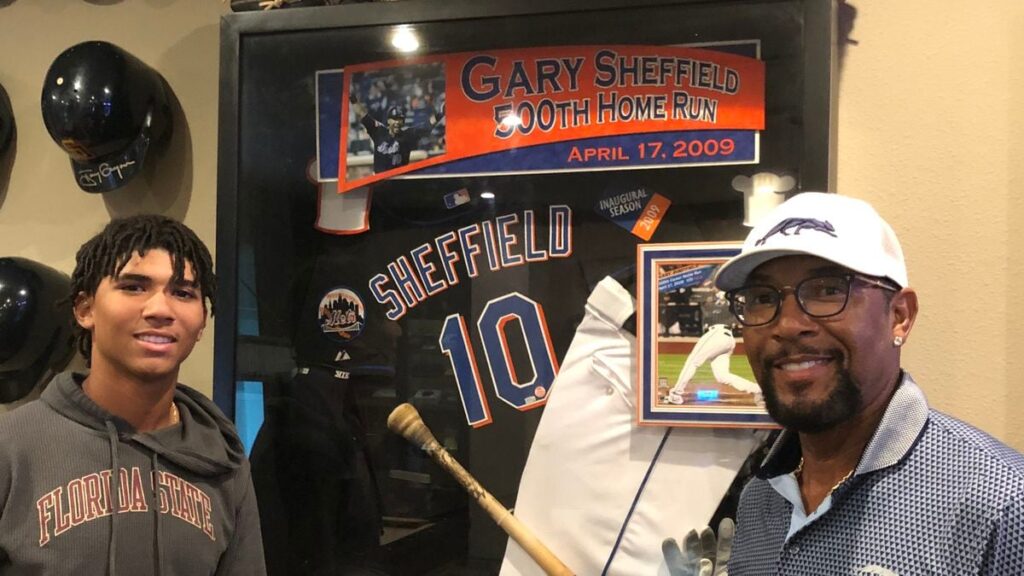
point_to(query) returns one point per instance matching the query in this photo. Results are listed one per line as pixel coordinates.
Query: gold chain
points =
(800, 468)
(175, 416)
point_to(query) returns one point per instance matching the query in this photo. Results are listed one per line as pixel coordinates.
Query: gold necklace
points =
(175, 416)
(800, 468)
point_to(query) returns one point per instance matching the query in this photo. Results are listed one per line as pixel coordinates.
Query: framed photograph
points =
(692, 370)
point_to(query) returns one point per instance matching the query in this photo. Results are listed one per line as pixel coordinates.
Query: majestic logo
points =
(796, 225)
(342, 314)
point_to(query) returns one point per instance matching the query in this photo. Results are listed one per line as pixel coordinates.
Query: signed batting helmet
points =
(35, 325)
(104, 107)
(6, 121)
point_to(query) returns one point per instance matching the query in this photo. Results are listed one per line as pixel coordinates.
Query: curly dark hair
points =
(105, 255)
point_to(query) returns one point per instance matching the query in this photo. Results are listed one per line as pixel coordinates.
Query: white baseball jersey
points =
(599, 491)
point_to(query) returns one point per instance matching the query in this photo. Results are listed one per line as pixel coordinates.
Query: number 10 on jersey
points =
(496, 318)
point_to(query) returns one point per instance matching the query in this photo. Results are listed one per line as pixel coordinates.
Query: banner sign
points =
(549, 110)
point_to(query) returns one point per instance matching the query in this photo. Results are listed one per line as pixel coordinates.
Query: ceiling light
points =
(405, 40)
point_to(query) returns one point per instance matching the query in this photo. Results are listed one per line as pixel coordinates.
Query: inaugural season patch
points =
(636, 209)
(342, 314)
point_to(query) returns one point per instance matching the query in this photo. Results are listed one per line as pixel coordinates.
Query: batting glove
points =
(701, 553)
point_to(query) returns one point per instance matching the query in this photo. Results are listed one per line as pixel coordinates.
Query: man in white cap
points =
(865, 478)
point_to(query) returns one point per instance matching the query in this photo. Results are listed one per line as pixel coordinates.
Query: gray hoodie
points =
(186, 504)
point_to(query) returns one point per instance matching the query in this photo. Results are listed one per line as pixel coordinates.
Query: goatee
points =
(811, 417)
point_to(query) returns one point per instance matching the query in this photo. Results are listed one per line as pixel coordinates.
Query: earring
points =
(897, 341)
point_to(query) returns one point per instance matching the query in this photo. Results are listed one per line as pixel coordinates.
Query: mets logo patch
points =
(341, 314)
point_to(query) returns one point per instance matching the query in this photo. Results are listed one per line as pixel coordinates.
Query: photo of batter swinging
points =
(693, 368)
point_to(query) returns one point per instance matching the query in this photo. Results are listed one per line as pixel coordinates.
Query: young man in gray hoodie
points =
(123, 470)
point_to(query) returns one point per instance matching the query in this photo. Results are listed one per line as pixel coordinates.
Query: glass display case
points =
(454, 274)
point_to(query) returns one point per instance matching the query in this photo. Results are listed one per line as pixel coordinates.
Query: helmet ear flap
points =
(104, 107)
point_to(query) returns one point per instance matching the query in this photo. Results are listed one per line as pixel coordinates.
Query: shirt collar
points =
(901, 425)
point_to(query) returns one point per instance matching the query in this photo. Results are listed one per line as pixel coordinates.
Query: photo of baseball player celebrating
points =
(397, 114)
(715, 346)
(393, 142)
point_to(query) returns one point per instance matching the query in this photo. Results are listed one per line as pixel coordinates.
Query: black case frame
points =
(817, 169)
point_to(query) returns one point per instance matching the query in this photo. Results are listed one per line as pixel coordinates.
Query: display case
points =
(554, 138)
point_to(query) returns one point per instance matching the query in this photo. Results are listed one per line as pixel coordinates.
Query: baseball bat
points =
(406, 421)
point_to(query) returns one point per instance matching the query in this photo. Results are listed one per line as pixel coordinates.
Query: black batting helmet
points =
(104, 107)
(6, 121)
(35, 325)
(396, 112)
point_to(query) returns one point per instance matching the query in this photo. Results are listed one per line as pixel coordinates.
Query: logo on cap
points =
(796, 225)
(341, 314)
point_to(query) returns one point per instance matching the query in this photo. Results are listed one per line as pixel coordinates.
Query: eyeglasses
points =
(819, 297)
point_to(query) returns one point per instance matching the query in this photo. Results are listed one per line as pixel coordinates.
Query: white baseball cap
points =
(837, 228)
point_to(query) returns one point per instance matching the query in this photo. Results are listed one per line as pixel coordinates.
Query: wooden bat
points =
(406, 421)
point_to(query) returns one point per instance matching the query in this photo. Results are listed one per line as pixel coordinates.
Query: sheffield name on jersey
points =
(432, 267)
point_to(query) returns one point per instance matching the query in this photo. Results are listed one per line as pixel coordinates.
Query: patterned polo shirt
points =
(930, 495)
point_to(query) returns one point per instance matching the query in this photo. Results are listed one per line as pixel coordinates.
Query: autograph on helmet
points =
(93, 178)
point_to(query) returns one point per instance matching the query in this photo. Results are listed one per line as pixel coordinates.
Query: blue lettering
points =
(490, 85)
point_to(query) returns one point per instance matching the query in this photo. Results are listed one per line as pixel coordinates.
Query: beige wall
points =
(931, 113)
(931, 127)
(43, 214)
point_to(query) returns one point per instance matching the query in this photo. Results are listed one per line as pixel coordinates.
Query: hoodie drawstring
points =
(156, 511)
(115, 505)
(115, 498)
